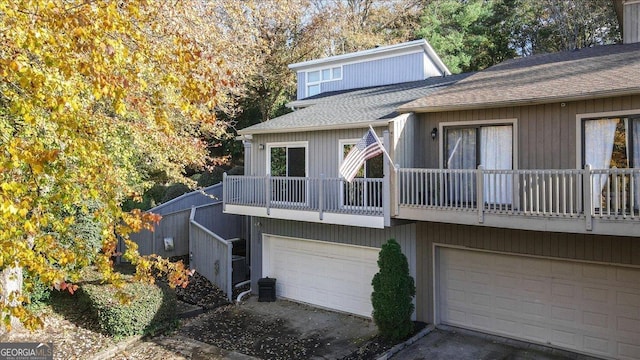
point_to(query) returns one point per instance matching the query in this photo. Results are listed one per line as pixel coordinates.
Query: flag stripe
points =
(365, 149)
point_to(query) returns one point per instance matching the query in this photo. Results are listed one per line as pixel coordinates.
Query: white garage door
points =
(330, 275)
(584, 307)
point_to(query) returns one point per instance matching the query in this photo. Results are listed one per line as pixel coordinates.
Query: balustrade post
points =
(268, 194)
(616, 191)
(321, 196)
(225, 191)
(397, 189)
(480, 193)
(587, 195)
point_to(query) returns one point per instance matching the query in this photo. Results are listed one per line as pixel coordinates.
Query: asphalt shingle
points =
(359, 106)
(599, 71)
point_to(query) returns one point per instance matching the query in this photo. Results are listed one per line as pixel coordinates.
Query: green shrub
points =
(38, 293)
(174, 191)
(212, 177)
(86, 232)
(152, 306)
(236, 170)
(393, 292)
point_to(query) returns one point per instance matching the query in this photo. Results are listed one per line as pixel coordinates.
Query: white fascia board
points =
(359, 125)
(246, 137)
(436, 59)
(366, 55)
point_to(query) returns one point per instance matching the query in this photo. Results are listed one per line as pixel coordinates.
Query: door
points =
(288, 167)
(466, 148)
(584, 307)
(330, 275)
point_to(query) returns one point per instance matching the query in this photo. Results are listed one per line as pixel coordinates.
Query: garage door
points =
(330, 275)
(589, 308)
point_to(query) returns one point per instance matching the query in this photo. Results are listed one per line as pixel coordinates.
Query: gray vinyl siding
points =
(631, 26)
(393, 70)
(404, 234)
(302, 84)
(227, 226)
(174, 225)
(546, 133)
(404, 138)
(584, 247)
(322, 151)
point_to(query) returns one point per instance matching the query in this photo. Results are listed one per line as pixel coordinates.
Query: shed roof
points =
(600, 71)
(351, 108)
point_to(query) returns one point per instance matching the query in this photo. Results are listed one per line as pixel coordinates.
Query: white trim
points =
(320, 81)
(367, 221)
(595, 115)
(512, 121)
(359, 125)
(286, 145)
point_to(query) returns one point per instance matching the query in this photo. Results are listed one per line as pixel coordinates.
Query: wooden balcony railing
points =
(611, 194)
(321, 195)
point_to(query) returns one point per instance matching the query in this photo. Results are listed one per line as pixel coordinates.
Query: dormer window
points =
(317, 77)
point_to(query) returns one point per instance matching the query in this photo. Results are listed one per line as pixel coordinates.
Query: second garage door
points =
(586, 307)
(331, 275)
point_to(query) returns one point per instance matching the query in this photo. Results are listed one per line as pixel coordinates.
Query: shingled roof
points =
(351, 108)
(601, 71)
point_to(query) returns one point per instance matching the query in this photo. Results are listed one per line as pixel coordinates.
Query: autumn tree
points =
(94, 97)
(262, 38)
(364, 24)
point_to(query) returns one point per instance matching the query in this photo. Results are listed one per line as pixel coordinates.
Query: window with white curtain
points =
(488, 145)
(613, 142)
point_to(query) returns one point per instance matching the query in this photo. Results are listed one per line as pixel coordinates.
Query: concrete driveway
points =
(453, 343)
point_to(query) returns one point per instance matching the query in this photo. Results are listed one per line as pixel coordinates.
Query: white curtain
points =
(598, 147)
(636, 160)
(461, 154)
(461, 149)
(496, 153)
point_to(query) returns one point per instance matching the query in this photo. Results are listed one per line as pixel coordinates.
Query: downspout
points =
(244, 293)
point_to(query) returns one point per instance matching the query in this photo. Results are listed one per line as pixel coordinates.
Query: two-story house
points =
(514, 196)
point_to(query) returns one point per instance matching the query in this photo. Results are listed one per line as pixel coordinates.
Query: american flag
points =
(366, 148)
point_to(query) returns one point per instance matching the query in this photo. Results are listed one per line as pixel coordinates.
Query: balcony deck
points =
(578, 201)
(605, 202)
(323, 200)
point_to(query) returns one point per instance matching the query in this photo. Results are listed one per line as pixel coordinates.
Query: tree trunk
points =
(10, 290)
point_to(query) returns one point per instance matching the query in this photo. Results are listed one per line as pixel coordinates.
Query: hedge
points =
(152, 307)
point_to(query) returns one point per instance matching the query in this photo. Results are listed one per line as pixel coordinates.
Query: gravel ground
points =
(215, 330)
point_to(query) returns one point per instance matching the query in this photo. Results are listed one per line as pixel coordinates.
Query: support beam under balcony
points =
(369, 221)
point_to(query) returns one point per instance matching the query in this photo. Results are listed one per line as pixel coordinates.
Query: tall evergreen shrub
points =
(393, 292)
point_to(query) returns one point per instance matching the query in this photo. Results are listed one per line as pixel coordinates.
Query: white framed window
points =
(467, 145)
(316, 77)
(287, 163)
(287, 159)
(611, 140)
(372, 168)
(365, 190)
